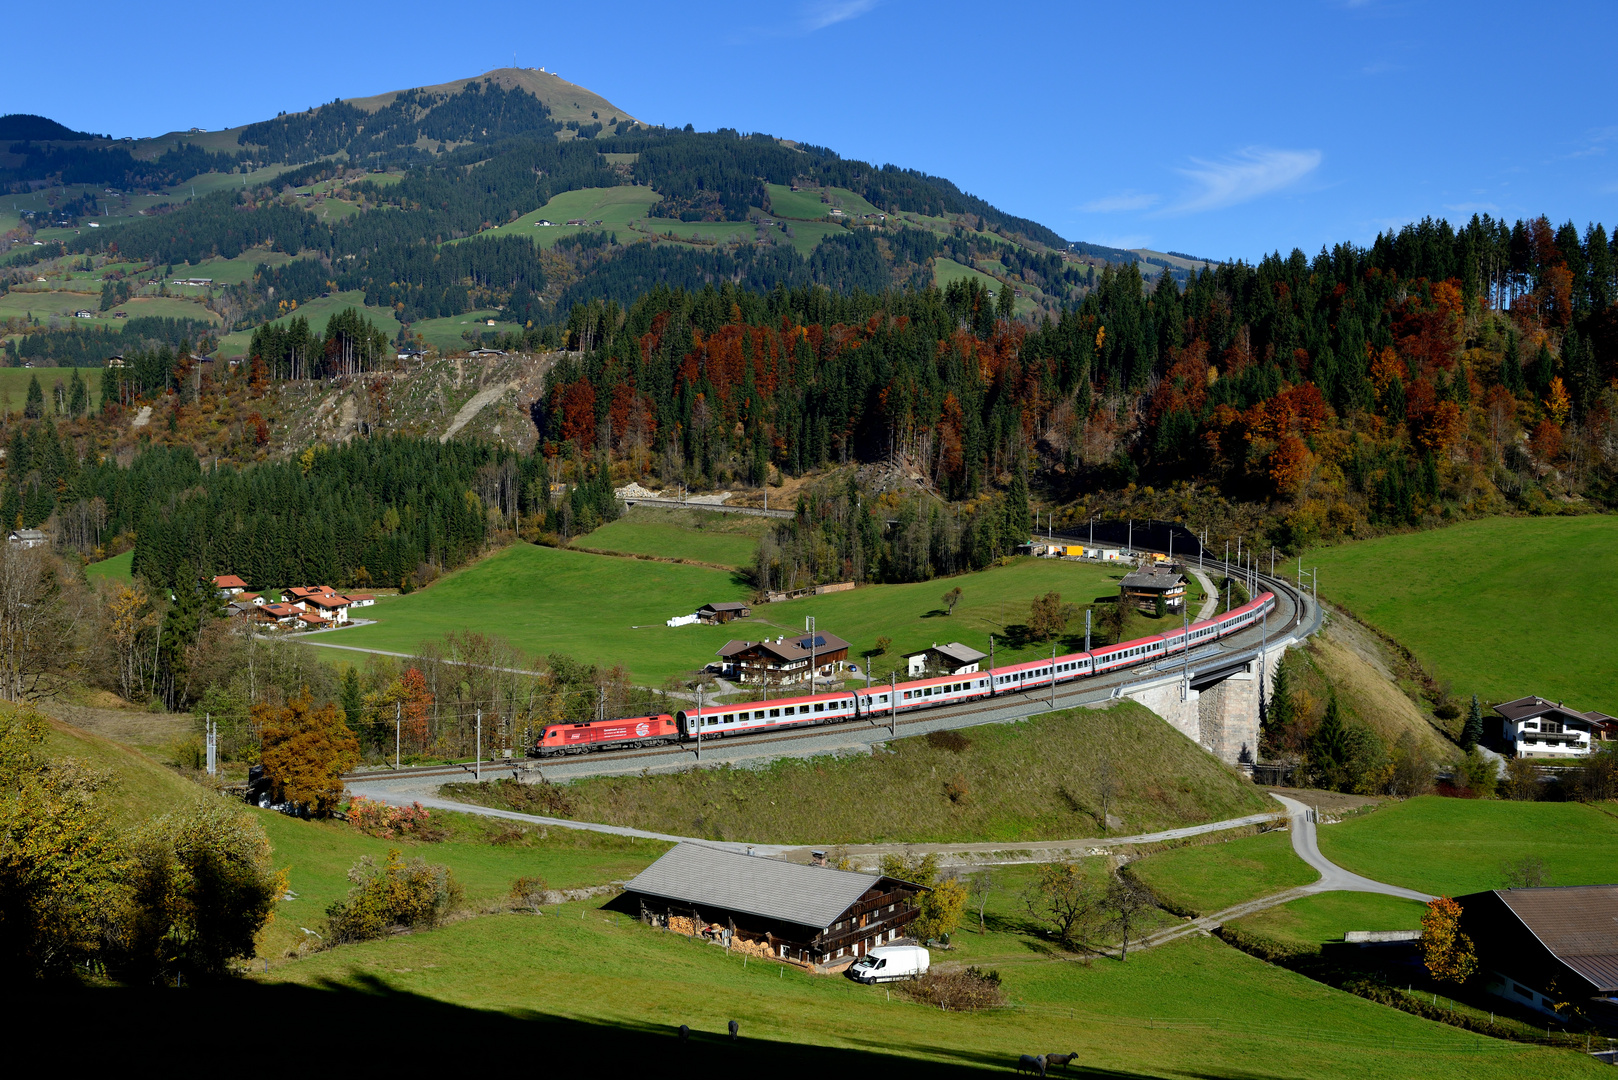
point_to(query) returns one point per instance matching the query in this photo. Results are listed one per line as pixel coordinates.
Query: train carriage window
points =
(758, 714)
(791, 710)
(820, 706)
(884, 699)
(775, 712)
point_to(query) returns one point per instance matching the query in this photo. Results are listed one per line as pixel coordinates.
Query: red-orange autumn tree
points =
(1446, 951)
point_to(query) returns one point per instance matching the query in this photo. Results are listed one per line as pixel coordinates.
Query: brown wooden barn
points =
(811, 915)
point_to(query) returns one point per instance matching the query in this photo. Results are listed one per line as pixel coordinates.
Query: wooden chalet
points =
(1550, 949)
(783, 659)
(1144, 587)
(810, 915)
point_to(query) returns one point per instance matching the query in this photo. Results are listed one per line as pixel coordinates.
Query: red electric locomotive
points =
(631, 731)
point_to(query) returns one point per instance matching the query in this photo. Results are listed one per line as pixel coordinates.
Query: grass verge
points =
(1211, 877)
(1038, 779)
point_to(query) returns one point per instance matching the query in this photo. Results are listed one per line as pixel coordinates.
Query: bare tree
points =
(1127, 902)
(1106, 788)
(983, 884)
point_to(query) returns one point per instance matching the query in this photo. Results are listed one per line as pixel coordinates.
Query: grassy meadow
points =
(1502, 608)
(445, 334)
(318, 312)
(14, 385)
(1455, 846)
(117, 568)
(1037, 779)
(1318, 920)
(696, 535)
(1210, 877)
(618, 988)
(609, 610)
(615, 207)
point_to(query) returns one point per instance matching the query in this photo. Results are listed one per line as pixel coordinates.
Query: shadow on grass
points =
(362, 1019)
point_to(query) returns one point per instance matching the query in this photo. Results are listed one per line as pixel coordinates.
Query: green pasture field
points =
(319, 854)
(14, 385)
(1501, 608)
(208, 183)
(445, 334)
(946, 271)
(1455, 846)
(607, 610)
(720, 232)
(545, 600)
(1211, 877)
(61, 304)
(805, 205)
(318, 312)
(710, 537)
(1318, 920)
(615, 207)
(609, 988)
(117, 568)
(1036, 779)
(227, 271)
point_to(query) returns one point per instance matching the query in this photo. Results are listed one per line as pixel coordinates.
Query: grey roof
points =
(812, 896)
(1578, 924)
(1153, 579)
(1530, 707)
(724, 605)
(788, 649)
(961, 654)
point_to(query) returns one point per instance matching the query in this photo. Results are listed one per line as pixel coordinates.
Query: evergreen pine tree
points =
(1019, 521)
(1472, 734)
(1281, 712)
(350, 698)
(34, 407)
(1328, 750)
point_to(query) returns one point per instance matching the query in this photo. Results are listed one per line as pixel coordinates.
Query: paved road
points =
(1333, 878)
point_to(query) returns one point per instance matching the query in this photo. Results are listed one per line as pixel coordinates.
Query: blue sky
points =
(1220, 130)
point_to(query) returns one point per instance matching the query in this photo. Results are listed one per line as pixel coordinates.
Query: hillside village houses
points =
(306, 607)
(1144, 587)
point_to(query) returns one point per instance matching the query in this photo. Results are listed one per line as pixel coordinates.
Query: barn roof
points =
(812, 896)
(1577, 923)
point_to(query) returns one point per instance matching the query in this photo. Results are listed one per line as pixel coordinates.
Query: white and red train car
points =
(877, 700)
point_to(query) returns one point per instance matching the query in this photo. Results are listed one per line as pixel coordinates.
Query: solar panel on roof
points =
(819, 642)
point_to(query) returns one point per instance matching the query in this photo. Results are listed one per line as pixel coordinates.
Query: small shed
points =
(811, 915)
(722, 612)
(27, 538)
(951, 659)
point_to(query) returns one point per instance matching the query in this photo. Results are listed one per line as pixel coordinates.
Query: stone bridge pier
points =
(1222, 706)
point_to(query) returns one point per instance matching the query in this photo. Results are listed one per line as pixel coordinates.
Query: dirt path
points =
(473, 407)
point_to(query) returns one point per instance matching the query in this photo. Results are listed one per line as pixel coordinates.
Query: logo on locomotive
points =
(642, 730)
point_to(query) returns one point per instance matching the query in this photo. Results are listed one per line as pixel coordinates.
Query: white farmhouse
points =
(1534, 727)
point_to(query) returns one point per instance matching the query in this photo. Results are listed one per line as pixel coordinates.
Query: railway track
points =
(1082, 691)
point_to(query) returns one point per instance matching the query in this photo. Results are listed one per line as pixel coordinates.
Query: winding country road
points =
(1333, 878)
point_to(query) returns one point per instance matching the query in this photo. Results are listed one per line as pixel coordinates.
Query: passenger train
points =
(881, 701)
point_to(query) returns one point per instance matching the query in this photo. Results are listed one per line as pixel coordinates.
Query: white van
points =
(889, 963)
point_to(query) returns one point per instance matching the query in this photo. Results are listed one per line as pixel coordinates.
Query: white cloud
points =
(1124, 200)
(826, 13)
(1244, 176)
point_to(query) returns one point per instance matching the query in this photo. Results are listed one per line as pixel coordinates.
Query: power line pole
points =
(397, 724)
(1053, 675)
(809, 625)
(893, 702)
(699, 721)
(477, 757)
(1086, 629)
(213, 742)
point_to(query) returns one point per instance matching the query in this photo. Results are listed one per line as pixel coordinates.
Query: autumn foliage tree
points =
(1446, 951)
(306, 751)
